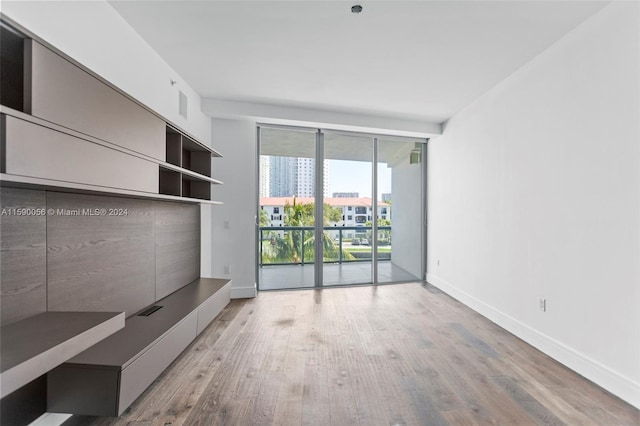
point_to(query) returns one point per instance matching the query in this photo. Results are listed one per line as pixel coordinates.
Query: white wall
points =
(233, 241)
(306, 117)
(534, 191)
(95, 35)
(406, 216)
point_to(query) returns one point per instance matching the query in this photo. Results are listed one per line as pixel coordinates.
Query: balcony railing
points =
(294, 245)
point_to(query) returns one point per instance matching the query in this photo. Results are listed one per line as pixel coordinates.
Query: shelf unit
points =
(188, 169)
(132, 150)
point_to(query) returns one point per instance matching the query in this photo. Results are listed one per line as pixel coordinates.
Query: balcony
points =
(294, 245)
(287, 256)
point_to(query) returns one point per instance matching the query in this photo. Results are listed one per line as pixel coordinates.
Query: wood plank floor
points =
(389, 355)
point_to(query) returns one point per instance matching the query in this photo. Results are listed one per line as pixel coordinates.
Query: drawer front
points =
(66, 95)
(138, 375)
(37, 151)
(82, 390)
(213, 306)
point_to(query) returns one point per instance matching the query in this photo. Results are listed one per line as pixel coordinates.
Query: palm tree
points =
(291, 247)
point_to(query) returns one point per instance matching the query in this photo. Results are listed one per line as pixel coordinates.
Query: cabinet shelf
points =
(183, 183)
(174, 148)
(12, 66)
(185, 152)
(196, 188)
(169, 182)
(187, 172)
(26, 182)
(131, 151)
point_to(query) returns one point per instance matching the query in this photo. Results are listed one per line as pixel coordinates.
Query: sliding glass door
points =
(337, 208)
(286, 214)
(399, 234)
(347, 209)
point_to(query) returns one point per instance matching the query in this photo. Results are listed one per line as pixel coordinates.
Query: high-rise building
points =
(291, 176)
(265, 175)
(282, 171)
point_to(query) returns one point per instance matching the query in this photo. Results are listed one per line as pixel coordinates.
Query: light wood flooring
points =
(388, 355)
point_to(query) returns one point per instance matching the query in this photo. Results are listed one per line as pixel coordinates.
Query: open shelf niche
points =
(191, 176)
(12, 68)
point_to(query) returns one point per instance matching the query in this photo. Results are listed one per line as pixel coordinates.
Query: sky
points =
(355, 176)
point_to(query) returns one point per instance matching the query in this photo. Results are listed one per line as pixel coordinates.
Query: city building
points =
(355, 211)
(345, 195)
(265, 176)
(292, 176)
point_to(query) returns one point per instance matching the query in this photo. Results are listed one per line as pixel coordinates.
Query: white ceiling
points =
(422, 60)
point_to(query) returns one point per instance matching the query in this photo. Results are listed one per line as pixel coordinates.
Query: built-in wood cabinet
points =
(65, 128)
(62, 93)
(105, 379)
(38, 151)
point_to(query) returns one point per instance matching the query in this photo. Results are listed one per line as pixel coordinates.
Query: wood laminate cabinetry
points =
(33, 346)
(62, 93)
(40, 152)
(106, 378)
(65, 128)
(191, 176)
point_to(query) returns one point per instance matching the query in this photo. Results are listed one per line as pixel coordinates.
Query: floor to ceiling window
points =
(327, 216)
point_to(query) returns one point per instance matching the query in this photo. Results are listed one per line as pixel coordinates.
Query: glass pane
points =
(347, 209)
(287, 190)
(399, 211)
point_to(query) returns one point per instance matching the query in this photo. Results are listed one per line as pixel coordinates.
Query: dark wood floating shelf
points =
(106, 378)
(33, 346)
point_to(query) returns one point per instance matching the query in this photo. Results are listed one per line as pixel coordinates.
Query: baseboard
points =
(603, 376)
(247, 292)
(51, 419)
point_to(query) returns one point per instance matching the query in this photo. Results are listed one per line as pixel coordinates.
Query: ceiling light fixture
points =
(356, 8)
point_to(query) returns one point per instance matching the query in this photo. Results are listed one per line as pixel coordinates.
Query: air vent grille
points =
(182, 104)
(149, 311)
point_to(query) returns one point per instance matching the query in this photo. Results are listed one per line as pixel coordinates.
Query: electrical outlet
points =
(226, 224)
(227, 270)
(542, 304)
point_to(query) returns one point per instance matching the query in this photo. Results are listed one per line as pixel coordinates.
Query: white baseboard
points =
(243, 292)
(621, 386)
(51, 419)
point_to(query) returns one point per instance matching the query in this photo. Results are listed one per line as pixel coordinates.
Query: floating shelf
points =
(36, 345)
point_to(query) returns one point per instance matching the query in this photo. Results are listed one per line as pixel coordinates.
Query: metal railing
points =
(294, 245)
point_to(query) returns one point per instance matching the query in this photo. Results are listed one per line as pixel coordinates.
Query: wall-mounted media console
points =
(64, 128)
(105, 379)
(71, 142)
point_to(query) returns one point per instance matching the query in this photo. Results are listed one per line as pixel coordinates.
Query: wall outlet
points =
(227, 270)
(542, 304)
(226, 224)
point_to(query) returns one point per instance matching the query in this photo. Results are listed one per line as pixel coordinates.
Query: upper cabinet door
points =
(60, 92)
